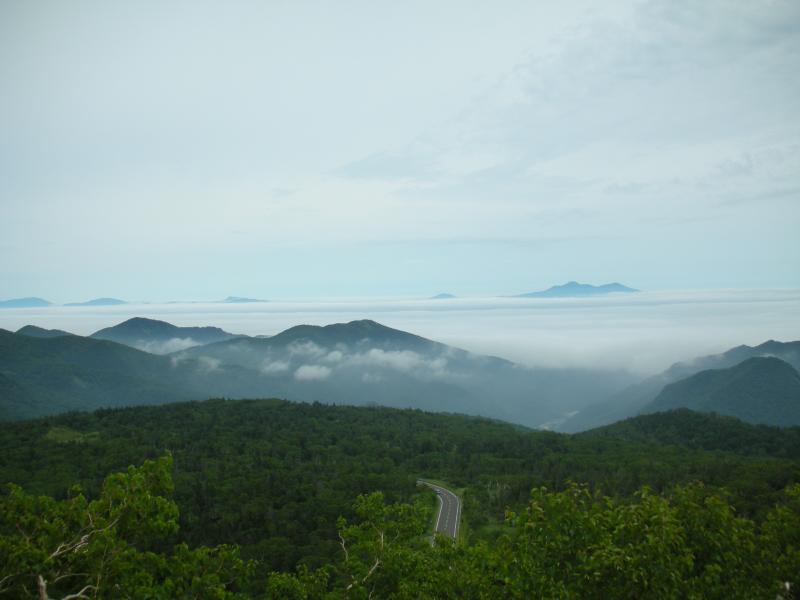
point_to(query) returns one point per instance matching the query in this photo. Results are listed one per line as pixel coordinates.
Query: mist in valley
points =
(643, 333)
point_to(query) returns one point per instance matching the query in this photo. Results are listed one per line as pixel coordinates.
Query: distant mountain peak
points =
(349, 333)
(240, 300)
(364, 323)
(573, 289)
(144, 324)
(30, 302)
(139, 322)
(160, 337)
(98, 302)
(442, 296)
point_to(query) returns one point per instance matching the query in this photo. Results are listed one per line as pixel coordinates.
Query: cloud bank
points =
(645, 332)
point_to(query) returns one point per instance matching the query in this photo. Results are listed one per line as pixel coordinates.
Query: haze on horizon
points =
(199, 150)
(643, 333)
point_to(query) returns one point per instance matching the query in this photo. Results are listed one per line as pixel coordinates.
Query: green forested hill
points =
(50, 375)
(704, 431)
(757, 390)
(274, 476)
(323, 489)
(636, 399)
(56, 374)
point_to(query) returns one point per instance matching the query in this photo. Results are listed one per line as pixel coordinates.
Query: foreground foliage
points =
(575, 543)
(111, 547)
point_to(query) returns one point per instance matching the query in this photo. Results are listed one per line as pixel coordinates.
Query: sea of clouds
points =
(643, 332)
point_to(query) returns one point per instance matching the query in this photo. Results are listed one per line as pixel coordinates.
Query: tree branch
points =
(79, 594)
(372, 570)
(3, 581)
(344, 547)
(81, 542)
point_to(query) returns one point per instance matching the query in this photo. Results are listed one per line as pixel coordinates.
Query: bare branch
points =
(80, 542)
(79, 594)
(372, 569)
(344, 547)
(3, 581)
(76, 545)
(41, 584)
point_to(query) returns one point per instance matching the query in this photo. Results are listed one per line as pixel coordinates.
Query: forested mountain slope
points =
(633, 399)
(160, 337)
(361, 363)
(757, 390)
(34, 331)
(366, 362)
(76, 373)
(48, 375)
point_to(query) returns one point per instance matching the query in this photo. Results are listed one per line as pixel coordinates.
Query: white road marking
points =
(441, 507)
(446, 498)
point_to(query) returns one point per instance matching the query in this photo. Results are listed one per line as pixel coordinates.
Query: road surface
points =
(449, 515)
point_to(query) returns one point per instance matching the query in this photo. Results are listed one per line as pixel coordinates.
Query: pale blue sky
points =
(162, 150)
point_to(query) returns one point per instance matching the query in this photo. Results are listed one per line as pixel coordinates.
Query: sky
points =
(195, 150)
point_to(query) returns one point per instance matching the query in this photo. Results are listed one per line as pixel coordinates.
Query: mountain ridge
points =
(759, 390)
(360, 362)
(28, 302)
(160, 337)
(633, 399)
(573, 289)
(34, 331)
(99, 302)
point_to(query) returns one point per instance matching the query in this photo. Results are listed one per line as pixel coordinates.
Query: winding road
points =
(449, 515)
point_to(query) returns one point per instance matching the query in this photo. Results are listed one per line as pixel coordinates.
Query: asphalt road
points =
(449, 515)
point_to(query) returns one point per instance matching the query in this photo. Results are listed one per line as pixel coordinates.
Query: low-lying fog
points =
(643, 332)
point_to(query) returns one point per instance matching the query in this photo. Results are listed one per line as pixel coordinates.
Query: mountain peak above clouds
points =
(240, 300)
(573, 289)
(30, 302)
(99, 302)
(160, 337)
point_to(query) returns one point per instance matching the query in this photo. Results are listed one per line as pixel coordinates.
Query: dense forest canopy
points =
(275, 479)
